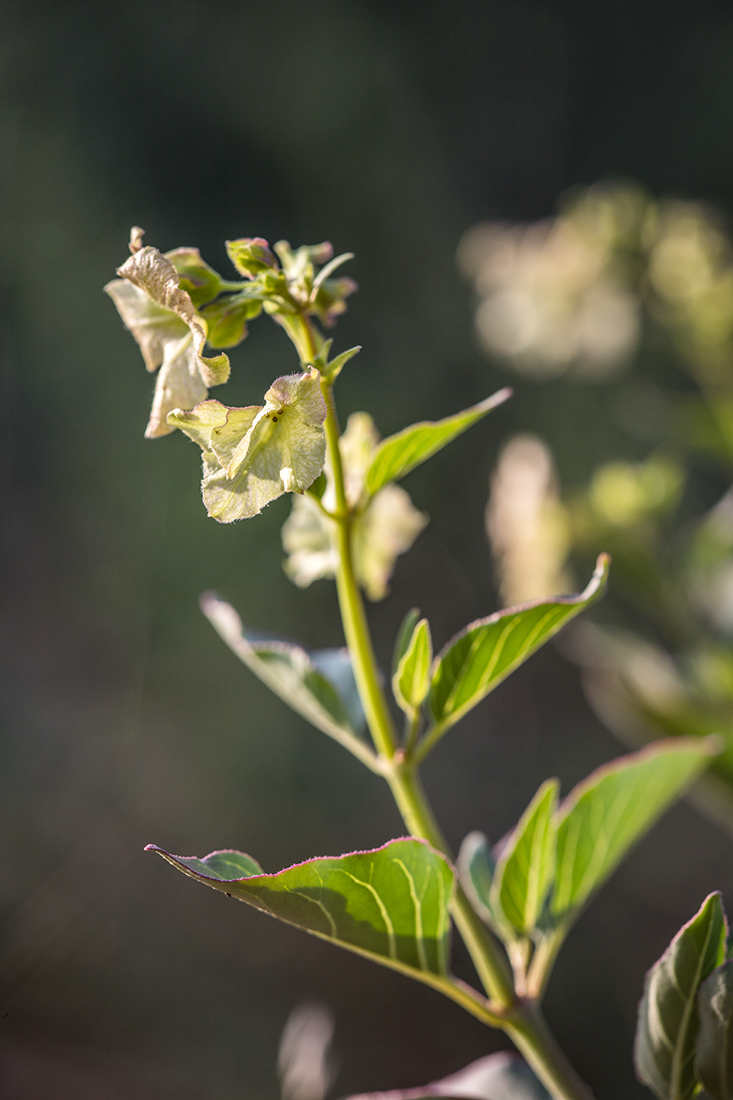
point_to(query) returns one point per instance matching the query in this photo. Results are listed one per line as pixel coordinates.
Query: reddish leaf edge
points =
(592, 591)
(170, 857)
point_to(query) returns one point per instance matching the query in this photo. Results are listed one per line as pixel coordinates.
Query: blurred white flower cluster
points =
(527, 524)
(554, 297)
(565, 296)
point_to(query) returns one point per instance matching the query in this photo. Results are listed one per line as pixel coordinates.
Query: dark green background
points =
(388, 128)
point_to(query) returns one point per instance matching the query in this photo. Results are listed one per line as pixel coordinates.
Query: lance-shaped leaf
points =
(500, 1076)
(612, 809)
(390, 904)
(319, 686)
(714, 1046)
(253, 455)
(664, 1050)
(411, 680)
(487, 651)
(154, 274)
(526, 866)
(401, 453)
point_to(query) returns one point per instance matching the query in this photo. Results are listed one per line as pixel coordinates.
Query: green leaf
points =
(401, 453)
(477, 660)
(612, 809)
(526, 867)
(404, 635)
(476, 868)
(252, 455)
(714, 1047)
(411, 680)
(390, 904)
(227, 317)
(319, 686)
(251, 255)
(664, 1049)
(195, 276)
(500, 1076)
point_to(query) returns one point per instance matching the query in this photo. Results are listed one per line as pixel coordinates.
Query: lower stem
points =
(521, 1020)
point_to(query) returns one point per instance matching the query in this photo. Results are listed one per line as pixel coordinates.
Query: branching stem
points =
(521, 1019)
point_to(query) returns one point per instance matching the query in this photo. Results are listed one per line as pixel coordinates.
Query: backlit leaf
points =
(252, 455)
(613, 808)
(404, 635)
(487, 651)
(714, 1046)
(664, 1050)
(319, 686)
(401, 453)
(411, 680)
(390, 904)
(526, 867)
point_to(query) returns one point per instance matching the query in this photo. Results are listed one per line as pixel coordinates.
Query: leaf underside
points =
(500, 1076)
(318, 686)
(664, 1049)
(714, 1046)
(390, 904)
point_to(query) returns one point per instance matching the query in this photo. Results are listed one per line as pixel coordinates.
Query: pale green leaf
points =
(403, 636)
(178, 385)
(383, 527)
(319, 686)
(664, 1049)
(499, 1076)
(612, 809)
(479, 658)
(525, 868)
(714, 1046)
(401, 453)
(390, 904)
(253, 455)
(411, 680)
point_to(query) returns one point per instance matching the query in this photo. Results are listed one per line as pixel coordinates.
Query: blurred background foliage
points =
(391, 129)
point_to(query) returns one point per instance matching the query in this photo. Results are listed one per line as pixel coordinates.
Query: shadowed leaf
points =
(320, 686)
(500, 1076)
(664, 1050)
(714, 1047)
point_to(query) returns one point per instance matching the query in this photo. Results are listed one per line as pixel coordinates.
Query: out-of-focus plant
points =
(513, 904)
(670, 670)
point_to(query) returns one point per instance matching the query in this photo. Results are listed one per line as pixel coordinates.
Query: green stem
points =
(520, 1019)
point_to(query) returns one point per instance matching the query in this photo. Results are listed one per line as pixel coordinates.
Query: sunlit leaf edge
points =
(428, 977)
